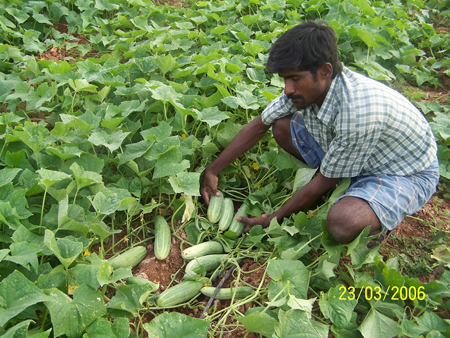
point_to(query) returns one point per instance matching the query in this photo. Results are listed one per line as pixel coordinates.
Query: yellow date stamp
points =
(377, 293)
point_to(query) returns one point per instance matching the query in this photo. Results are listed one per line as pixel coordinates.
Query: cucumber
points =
(227, 214)
(227, 293)
(202, 249)
(209, 262)
(179, 293)
(162, 238)
(129, 258)
(235, 226)
(215, 208)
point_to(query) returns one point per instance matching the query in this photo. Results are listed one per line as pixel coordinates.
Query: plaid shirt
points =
(364, 127)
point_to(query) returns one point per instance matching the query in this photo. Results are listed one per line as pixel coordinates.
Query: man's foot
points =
(380, 240)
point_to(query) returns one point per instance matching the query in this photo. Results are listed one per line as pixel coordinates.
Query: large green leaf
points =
(283, 271)
(71, 317)
(173, 324)
(297, 323)
(377, 325)
(16, 294)
(338, 306)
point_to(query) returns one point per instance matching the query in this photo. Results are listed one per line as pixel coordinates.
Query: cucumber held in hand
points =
(215, 208)
(202, 249)
(129, 258)
(179, 293)
(227, 214)
(162, 238)
(235, 226)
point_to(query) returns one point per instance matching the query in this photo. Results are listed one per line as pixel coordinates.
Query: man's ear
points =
(326, 70)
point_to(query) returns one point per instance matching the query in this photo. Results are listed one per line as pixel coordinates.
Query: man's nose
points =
(288, 87)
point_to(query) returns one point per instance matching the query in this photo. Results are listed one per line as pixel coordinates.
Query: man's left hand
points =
(264, 220)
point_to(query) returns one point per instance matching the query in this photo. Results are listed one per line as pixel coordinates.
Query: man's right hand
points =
(209, 186)
(243, 141)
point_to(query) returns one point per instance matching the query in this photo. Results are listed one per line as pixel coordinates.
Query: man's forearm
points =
(306, 196)
(242, 142)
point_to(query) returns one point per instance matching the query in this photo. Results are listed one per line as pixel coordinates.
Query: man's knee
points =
(348, 217)
(281, 130)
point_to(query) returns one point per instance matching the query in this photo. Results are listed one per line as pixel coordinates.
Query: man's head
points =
(305, 47)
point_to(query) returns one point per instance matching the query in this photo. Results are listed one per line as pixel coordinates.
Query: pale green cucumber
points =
(129, 258)
(235, 226)
(227, 293)
(227, 214)
(215, 208)
(162, 238)
(179, 293)
(209, 263)
(202, 249)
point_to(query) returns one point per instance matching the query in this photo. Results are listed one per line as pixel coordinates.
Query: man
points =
(348, 125)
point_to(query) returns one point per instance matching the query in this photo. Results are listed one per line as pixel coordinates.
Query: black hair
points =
(305, 47)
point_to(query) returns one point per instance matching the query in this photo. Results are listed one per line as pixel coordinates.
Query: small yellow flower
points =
(274, 258)
(255, 166)
(86, 252)
(183, 136)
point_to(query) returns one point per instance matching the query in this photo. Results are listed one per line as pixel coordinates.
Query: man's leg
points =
(349, 216)
(281, 131)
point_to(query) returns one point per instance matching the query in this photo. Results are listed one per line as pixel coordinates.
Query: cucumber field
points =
(110, 111)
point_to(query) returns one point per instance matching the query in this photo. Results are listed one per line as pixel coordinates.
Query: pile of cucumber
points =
(221, 209)
(208, 256)
(203, 257)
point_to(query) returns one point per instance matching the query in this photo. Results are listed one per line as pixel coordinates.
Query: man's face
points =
(303, 88)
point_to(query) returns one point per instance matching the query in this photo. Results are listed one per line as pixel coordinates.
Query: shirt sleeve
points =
(349, 152)
(278, 108)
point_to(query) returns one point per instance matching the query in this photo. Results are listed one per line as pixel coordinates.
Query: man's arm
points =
(243, 141)
(302, 199)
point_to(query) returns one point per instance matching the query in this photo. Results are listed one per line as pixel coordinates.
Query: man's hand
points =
(264, 220)
(209, 186)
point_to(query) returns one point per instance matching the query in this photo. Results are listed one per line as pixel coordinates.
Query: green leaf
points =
(257, 75)
(24, 254)
(107, 274)
(259, 322)
(165, 63)
(84, 178)
(64, 249)
(170, 163)
(7, 175)
(377, 325)
(358, 250)
(112, 142)
(186, 182)
(282, 271)
(296, 323)
(82, 85)
(102, 328)
(212, 116)
(129, 299)
(50, 177)
(173, 324)
(105, 205)
(337, 306)
(16, 294)
(302, 177)
(71, 317)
